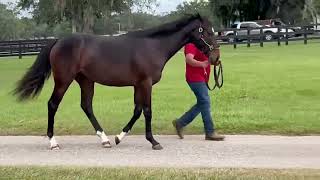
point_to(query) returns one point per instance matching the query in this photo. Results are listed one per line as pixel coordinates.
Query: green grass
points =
(270, 90)
(152, 173)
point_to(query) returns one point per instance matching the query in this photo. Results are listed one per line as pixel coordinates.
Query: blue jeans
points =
(202, 106)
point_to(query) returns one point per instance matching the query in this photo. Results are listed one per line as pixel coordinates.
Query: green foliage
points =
(317, 6)
(8, 23)
(143, 20)
(62, 29)
(191, 7)
(13, 28)
(105, 26)
(290, 11)
(61, 17)
(197, 6)
(81, 13)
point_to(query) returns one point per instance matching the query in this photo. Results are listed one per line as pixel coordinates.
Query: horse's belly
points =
(110, 75)
(116, 81)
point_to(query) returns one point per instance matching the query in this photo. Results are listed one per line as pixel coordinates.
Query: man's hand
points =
(205, 64)
(216, 63)
(191, 61)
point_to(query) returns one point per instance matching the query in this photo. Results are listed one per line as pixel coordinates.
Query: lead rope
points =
(216, 76)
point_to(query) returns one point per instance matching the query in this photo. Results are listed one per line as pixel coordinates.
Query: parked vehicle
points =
(277, 22)
(269, 33)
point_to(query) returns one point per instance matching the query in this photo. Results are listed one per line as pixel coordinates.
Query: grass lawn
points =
(270, 90)
(151, 173)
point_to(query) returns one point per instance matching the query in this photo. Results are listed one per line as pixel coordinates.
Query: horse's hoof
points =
(55, 147)
(117, 140)
(106, 144)
(157, 147)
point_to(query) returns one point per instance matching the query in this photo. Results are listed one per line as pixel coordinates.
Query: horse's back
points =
(114, 61)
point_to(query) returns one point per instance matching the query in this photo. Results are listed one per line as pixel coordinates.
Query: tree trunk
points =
(88, 20)
(309, 10)
(74, 25)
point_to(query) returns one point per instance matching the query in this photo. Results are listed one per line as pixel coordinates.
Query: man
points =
(197, 74)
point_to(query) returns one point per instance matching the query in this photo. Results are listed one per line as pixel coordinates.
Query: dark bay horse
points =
(134, 59)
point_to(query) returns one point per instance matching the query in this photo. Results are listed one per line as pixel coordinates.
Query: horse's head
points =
(203, 37)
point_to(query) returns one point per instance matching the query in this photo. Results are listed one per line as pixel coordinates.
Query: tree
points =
(191, 7)
(289, 11)
(224, 10)
(81, 13)
(11, 27)
(316, 4)
(62, 29)
(311, 11)
(229, 11)
(7, 22)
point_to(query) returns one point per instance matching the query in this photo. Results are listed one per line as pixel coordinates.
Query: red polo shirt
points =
(196, 74)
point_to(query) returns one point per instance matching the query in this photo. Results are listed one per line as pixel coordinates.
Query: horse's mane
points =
(165, 28)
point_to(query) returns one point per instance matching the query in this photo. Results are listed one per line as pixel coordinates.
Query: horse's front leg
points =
(87, 91)
(147, 112)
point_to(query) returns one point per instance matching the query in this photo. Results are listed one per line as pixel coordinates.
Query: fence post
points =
(20, 50)
(234, 39)
(261, 37)
(248, 39)
(10, 49)
(287, 36)
(305, 35)
(278, 35)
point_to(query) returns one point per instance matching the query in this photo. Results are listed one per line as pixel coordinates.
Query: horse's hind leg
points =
(136, 114)
(87, 91)
(53, 104)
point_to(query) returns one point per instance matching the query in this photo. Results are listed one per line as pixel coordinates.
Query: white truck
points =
(269, 33)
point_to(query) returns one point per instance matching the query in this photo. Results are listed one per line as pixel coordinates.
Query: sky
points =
(165, 6)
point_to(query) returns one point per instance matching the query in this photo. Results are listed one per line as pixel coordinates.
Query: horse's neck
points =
(174, 42)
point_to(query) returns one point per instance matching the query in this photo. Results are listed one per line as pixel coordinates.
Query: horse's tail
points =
(32, 82)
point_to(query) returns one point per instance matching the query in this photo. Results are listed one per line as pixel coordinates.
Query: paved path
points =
(193, 151)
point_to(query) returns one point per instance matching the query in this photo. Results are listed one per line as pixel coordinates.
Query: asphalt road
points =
(193, 151)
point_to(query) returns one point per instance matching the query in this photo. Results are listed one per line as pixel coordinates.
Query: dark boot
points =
(215, 137)
(178, 129)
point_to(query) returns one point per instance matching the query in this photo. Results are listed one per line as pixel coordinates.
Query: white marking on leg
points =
(104, 139)
(53, 142)
(122, 135)
(103, 136)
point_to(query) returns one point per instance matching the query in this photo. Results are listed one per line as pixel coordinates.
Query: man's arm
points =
(192, 62)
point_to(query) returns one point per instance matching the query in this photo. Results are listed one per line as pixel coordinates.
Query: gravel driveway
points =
(237, 151)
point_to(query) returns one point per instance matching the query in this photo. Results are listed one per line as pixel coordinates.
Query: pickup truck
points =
(269, 33)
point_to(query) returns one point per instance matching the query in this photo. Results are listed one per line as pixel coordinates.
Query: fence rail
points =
(229, 36)
(261, 35)
(22, 47)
